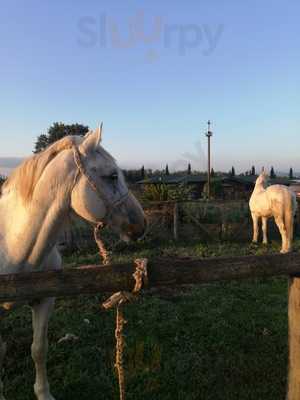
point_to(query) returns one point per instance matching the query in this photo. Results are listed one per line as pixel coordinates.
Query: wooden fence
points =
(169, 272)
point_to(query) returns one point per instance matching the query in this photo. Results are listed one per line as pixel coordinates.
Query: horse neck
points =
(37, 224)
(259, 187)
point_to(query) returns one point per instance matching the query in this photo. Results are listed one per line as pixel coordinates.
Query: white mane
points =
(25, 177)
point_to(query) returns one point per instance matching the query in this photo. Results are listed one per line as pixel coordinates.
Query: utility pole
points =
(208, 135)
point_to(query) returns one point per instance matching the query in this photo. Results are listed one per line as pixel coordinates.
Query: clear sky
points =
(155, 72)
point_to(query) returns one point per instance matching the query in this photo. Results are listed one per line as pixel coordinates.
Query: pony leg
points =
(40, 316)
(2, 355)
(255, 228)
(265, 230)
(283, 232)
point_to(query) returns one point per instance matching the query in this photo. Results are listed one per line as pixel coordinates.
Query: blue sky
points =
(235, 62)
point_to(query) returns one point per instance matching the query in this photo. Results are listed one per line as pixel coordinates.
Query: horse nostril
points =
(136, 231)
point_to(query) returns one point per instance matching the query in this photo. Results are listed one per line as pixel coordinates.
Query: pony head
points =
(100, 193)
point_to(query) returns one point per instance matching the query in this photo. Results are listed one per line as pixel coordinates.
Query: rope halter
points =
(110, 206)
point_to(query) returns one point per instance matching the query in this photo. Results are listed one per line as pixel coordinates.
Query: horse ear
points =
(91, 140)
(98, 131)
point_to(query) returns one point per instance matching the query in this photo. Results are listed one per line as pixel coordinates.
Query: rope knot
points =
(118, 300)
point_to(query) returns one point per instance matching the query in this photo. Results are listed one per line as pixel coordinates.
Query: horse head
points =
(100, 193)
(262, 179)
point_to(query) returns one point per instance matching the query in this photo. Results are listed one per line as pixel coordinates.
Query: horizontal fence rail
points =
(162, 272)
(168, 272)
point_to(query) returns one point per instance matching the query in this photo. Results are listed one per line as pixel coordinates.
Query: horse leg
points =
(255, 228)
(265, 230)
(2, 355)
(40, 316)
(289, 224)
(280, 223)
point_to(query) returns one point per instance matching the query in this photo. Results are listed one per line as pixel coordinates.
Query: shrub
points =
(163, 192)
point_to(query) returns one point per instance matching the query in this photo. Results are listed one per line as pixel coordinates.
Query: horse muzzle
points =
(136, 231)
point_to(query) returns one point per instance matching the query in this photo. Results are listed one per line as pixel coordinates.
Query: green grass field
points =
(217, 341)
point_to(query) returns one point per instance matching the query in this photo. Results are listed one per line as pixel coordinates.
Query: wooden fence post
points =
(294, 339)
(175, 221)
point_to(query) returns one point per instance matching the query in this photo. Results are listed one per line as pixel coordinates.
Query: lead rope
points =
(104, 254)
(119, 299)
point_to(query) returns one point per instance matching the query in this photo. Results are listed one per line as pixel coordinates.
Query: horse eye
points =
(114, 177)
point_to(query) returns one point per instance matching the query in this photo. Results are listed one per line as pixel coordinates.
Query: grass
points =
(217, 341)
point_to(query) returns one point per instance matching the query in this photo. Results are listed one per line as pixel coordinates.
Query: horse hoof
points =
(44, 396)
(284, 251)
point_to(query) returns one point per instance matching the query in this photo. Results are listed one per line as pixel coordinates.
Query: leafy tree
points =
(291, 174)
(57, 131)
(253, 170)
(41, 143)
(232, 172)
(272, 173)
(189, 171)
(167, 170)
(212, 173)
(2, 180)
(143, 172)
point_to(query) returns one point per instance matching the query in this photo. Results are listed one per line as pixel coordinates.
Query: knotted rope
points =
(118, 299)
(104, 254)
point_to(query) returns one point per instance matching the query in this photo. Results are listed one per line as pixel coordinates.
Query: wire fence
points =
(196, 220)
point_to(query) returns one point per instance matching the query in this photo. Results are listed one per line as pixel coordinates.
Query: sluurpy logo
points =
(104, 31)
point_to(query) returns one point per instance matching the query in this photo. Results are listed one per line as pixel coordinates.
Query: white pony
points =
(74, 174)
(274, 201)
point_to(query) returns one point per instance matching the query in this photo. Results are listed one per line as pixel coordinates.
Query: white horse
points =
(274, 201)
(73, 175)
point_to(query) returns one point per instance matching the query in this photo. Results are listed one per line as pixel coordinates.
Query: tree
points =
(272, 173)
(253, 170)
(167, 170)
(232, 172)
(212, 173)
(41, 143)
(189, 171)
(2, 180)
(143, 172)
(57, 131)
(291, 174)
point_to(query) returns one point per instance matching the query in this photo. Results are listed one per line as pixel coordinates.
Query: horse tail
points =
(289, 214)
(294, 210)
